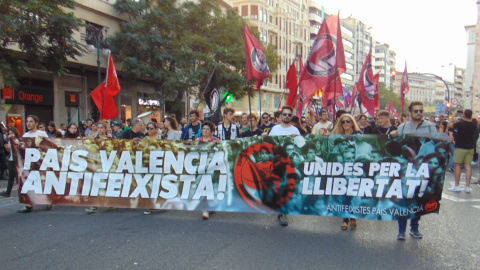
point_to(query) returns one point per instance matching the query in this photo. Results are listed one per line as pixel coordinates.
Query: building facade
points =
(385, 61)
(422, 88)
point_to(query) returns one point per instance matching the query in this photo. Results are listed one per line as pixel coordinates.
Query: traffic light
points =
(449, 105)
(394, 73)
(229, 97)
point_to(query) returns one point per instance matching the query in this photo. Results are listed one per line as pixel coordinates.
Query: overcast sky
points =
(429, 34)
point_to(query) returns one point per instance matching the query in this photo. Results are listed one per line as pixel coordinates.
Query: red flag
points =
(292, 83)
(353, 97)
(330, 89)
(326, 61)
(111, 110)
(376, 79)
(112, 84)
(366, 84)
(393, 110)
(301, 95)
(257, 66)
(404, 87)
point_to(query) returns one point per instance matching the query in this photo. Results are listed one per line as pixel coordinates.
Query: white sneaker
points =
(468, 189)
(205, 215)
(91, 209)
(455, 189)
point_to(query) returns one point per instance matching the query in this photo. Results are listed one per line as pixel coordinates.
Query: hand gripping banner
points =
(363, 176)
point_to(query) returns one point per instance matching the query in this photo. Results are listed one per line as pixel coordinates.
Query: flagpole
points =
(260, 96)
(105, 88)
(249, 104)
(335, 93)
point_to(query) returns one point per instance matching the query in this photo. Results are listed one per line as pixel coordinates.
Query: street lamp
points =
(446, 85)
(96, 39)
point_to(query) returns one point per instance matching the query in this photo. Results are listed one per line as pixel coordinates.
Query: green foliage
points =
(387, 95)
(42, 30)
(176, 48)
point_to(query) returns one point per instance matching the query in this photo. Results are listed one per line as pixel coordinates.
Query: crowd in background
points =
(282, 122)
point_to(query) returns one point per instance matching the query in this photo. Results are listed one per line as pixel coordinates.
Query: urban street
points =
(68, 238)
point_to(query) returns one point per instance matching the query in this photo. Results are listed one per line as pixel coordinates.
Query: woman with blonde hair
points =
(347, 125)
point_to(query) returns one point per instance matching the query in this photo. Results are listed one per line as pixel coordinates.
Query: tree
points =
(386, 95)
(177, 48)
(36, 34)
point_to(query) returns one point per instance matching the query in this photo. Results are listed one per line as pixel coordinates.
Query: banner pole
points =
(335, 94)
(249, 103)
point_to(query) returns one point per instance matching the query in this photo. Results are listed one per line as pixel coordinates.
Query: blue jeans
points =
(402, 224)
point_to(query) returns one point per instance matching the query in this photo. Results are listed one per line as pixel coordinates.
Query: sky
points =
(427, 34)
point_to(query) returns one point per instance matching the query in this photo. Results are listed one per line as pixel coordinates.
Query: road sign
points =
(454, 101)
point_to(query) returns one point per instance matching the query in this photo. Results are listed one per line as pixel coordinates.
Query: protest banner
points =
(363, 176)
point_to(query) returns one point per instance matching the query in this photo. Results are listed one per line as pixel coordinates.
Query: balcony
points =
(314, 17)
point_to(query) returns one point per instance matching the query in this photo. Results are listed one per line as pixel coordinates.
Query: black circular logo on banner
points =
(322, 61)
(259, 61)
(265, 176)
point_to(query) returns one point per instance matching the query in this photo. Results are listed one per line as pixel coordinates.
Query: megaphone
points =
(145, 117)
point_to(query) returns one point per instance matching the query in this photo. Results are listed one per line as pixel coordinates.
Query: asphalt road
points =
(68, 238)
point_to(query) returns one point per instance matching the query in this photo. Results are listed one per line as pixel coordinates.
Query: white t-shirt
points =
(35, 134)
(318, 126)
(278, 130)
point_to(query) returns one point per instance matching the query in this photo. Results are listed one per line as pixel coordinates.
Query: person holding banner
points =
(416, 126)
(384, 126)
(346, 125)
(33, 132)
(284, 129)
(102, 131)
(135, 132)
(252, 118)
(207, 136)
(207, 133)
(227, 130)
(152, 132)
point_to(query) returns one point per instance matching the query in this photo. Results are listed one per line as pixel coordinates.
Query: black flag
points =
(213, 100)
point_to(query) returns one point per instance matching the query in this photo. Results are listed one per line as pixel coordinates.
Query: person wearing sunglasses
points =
(346, 125)
(284, 129)
(416, 126)
(266, 124)
(152, 132)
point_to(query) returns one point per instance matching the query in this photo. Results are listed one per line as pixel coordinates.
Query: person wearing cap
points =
(117, 130)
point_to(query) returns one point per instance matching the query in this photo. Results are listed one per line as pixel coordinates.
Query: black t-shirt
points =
(192, 132)
(129, 134)
(382, 130)
(368, 130)
(248, 133)
(465, 134)
(302, 132)
(266, 128)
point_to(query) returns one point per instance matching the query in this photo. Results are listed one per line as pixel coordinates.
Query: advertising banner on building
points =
(363, 176)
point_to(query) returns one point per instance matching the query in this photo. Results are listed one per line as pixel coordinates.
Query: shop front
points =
(28, 100)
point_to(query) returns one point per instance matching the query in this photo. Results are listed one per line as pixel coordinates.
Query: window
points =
(245, 11)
